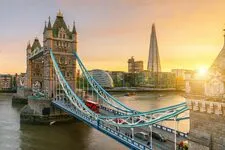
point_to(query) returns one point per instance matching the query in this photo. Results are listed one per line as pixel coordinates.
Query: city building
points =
(181, 75)
(134, 66)
(102, 77)
(146, 78)
(153, 58)
(118, 78)
(6, 82)
(158, 79)
(62, 41)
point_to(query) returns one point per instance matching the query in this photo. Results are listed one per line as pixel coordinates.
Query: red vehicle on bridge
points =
(92, 105)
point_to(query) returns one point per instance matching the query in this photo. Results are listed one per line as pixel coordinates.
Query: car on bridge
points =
(158, 136)
(145, 136)
(142, 136)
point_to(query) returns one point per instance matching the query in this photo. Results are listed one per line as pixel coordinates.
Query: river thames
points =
(77, 135)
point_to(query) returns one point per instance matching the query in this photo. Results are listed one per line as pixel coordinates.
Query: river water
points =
(73, 136)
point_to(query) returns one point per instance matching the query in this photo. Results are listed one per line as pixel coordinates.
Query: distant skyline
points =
(189, 32)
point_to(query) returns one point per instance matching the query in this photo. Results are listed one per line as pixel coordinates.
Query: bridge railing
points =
(185, 135)
(123, 137)
(100, 126)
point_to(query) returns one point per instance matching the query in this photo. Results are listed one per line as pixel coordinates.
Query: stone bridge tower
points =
(206, 101)
(63, 42)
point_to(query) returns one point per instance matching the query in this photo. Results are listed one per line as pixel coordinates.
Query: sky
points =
(189, 32)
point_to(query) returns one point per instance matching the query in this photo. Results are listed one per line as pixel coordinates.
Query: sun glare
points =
(202, 72)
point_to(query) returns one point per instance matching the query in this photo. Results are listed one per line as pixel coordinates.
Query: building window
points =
(62, 60)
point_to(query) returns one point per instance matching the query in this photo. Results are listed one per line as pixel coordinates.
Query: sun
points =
(202, 72)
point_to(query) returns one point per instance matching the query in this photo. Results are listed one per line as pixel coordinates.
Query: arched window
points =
(62, 33)
(62, 60)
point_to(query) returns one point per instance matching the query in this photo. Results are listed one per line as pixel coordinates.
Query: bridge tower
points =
(63, 42)
(28, 71)
(206, 101)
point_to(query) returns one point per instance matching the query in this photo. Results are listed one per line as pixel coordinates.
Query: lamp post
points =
(175, 133)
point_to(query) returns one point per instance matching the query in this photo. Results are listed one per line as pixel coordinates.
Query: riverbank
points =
(141, 89)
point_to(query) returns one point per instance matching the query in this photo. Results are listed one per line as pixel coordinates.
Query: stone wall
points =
(207, 125)
(23, 92)
(38, 105)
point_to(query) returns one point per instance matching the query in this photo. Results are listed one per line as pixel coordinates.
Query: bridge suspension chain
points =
(129, 120)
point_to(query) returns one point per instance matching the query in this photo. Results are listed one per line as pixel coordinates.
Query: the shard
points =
(153, 58)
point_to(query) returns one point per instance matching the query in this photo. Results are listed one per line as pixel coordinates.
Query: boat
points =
(52, 122)
(130, 94)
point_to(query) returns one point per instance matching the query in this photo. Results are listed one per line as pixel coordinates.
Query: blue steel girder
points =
(77, 108)
(142, 120)
(118, 136)
(136, 119)
(104, 94)
(74, 99)
(109, 99)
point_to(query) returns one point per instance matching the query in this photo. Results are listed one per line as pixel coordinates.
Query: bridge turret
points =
(49, 23)
(74, 36)
(28, 47)
(45, 28)
(48, 35)
(28, 61)
(36, 44)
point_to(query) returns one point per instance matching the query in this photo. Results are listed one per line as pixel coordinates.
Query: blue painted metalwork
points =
(98, 88)
(76, 107)
(124, 139)
(102, 93)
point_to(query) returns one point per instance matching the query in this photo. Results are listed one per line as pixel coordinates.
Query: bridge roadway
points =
(157, 145)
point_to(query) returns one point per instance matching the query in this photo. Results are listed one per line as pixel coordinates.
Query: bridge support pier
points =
(21, 97)
(40, 111)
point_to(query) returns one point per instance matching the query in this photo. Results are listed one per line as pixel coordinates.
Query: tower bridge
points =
(51, 73)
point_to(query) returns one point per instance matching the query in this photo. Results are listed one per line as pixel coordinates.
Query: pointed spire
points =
(153, 29)
(45, 28)
(28, 45)
(49, 23)
(68, 27)
(74, 28)
(36, 44)
(154, 59)
(59, 14)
